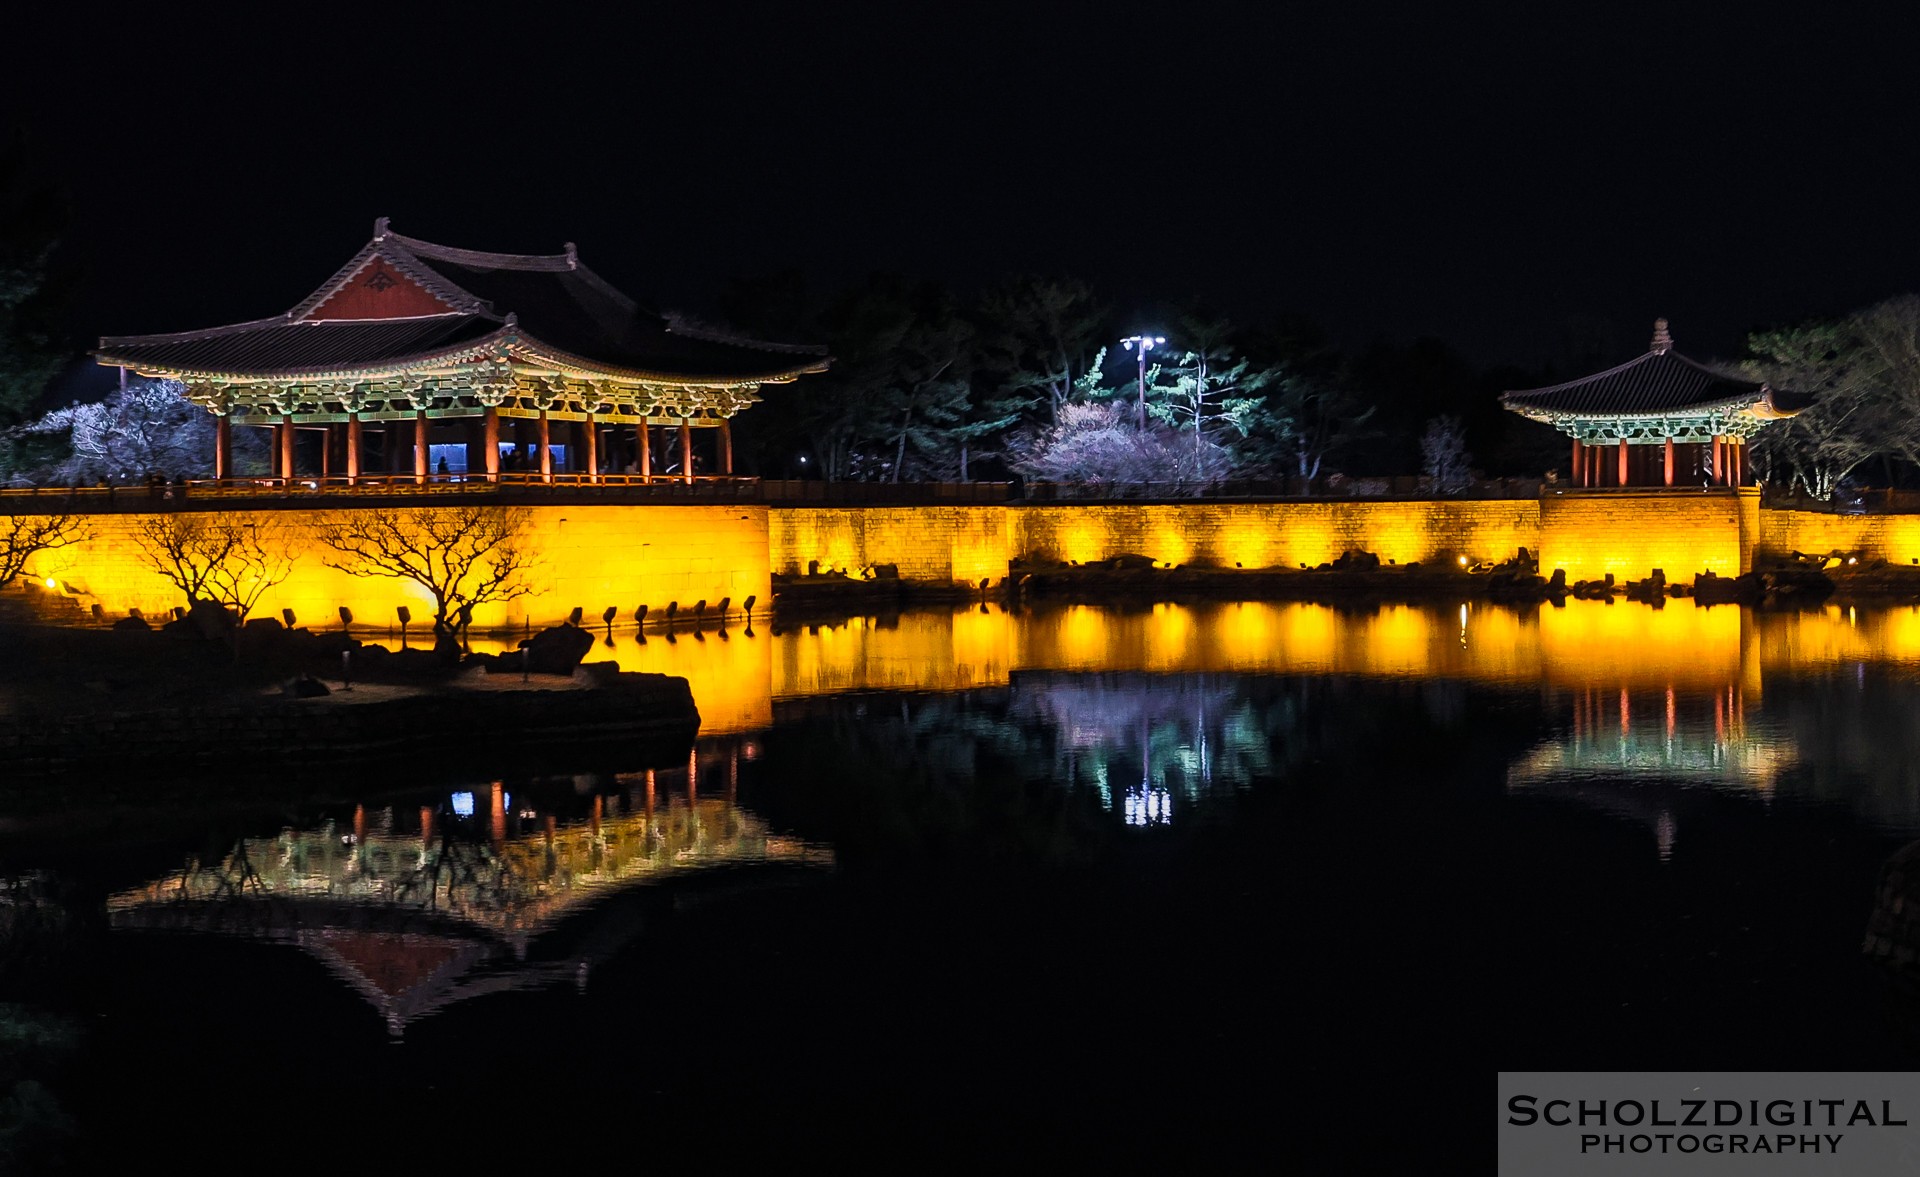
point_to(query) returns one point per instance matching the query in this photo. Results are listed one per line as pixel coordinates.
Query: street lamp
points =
(1142, 344)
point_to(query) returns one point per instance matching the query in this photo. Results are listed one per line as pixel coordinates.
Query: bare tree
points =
(1443, 454)
(22, 536)
(218, 556)
(464, 557)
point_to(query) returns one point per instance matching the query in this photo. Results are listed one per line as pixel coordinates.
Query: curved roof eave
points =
(471, 349)
(531, 348)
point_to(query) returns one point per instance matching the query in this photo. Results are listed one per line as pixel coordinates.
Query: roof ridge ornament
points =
(380, 229)
(1662, 341)
(573, 257)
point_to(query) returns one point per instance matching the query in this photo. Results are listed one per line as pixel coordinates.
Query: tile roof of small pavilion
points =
(404, 302)
(1660, 383)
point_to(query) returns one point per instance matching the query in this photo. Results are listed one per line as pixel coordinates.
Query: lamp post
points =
(1142, 344)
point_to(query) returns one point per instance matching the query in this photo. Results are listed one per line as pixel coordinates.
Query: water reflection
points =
(415, 909)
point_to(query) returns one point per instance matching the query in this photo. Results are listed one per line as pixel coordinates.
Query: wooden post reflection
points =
(497, 814)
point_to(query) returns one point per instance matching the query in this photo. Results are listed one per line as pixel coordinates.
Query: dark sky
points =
(1483, 175)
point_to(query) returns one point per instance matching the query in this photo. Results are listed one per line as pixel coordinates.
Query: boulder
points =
(306, 687)
(210, 620)
(133, 625)
(557, 650)
(596, 674)
(263, 626)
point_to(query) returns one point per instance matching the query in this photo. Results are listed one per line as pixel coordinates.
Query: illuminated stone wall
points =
(625, 556)
(1630, 534)
(1278, 535)
(940, 544)
(590, 557)
(1894, 538)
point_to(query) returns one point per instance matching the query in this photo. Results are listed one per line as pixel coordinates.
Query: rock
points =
(133, 625)
(333, 642)
(263, 626)
(1130, 560)
(886, 572)
(211, 620)
(446, 650)
(306, 687)
(557, 650)
(596, 674)
(1747, 588)
(481, 663)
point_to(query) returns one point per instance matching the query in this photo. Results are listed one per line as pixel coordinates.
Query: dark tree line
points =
(1029, 378)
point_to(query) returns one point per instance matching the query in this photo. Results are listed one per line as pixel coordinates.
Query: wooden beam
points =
(492, 455)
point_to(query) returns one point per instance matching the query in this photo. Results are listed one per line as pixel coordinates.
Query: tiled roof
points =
(551, 300)
(281, 347)
(1658, 382)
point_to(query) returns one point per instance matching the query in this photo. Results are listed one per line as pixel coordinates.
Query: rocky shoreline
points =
(173, 704)
(1354, 577)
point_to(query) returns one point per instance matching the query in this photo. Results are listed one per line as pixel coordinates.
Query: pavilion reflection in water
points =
(416, 910)
(1715, 664)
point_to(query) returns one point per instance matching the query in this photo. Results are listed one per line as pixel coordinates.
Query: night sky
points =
(1505, 181)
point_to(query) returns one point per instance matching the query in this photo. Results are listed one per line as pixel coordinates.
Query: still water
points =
(1209, 873)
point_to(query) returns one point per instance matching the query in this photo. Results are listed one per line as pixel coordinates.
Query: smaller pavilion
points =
(1659, 419)
(416, 360)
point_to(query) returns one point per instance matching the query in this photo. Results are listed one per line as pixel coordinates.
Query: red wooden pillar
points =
(1623, 461)
(492, 418)
(286, 447)
(591, 437)
(1669, 461)
(686, 450)
(1578, 473)
(546, 449)
(1739, 462)
(1719, 462)
(223, 446)
(726, 447)
(353, 449)
(646, 455)
(421, 449)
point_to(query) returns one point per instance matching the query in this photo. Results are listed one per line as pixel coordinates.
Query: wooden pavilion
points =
(1659, 419)
(418, 362)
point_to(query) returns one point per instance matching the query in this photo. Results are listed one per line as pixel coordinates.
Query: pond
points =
(1089, 877)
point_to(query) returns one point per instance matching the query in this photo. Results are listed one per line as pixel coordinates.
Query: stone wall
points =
(1630, 533)
(629, 555)
(1278, 535)
(940, 544)
(1893, 538)
(969, 544)
(588, 556)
